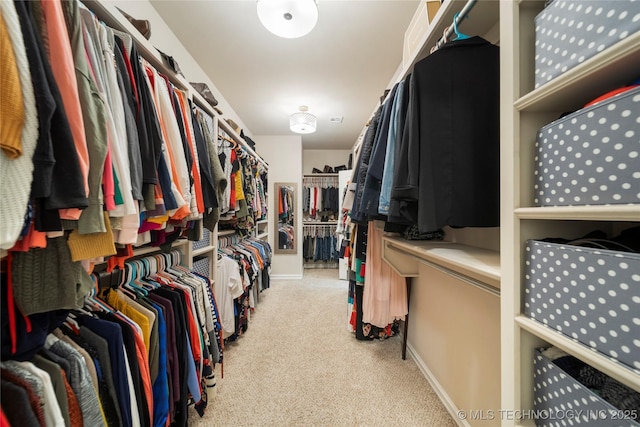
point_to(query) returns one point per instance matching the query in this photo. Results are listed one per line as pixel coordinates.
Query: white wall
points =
(283, 153)
(318, 158)
(163, 38)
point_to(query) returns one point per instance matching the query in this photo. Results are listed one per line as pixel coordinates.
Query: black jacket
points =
(452, 138)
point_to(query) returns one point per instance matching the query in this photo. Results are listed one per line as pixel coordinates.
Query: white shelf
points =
(586, 213)
(226, 232)
(320, 175)
(262, 221)
(262, 236)
(320, 223)
(611, 68)
(207, 249)
(145, 250)
(588, 355)
(477, 263)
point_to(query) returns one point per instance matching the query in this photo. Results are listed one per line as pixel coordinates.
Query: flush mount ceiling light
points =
(288, 18)
(302, 121)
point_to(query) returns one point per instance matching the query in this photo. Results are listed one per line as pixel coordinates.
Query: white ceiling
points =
(340, 69)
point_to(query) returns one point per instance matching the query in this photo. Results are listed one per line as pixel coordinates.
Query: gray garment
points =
(135, 160)
(80, 383)
(36, 383)
(55, 373)
(47, 279)
(94, 118)
(220, 181)
(102, 347)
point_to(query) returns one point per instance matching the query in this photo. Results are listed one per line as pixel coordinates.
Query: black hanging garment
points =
(452, 138)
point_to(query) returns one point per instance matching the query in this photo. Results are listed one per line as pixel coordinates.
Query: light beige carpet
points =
(298, 365)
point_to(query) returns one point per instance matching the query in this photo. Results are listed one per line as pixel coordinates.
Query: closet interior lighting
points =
(303, 121)
(288, 18)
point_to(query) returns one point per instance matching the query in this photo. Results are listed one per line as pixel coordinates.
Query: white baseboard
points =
(286, 276)
(437, 387)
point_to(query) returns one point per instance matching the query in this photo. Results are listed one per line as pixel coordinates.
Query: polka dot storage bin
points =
(202, 266)
(560, 400)
(569, 32)
(204, 242)
(592, 156)
(590, 295)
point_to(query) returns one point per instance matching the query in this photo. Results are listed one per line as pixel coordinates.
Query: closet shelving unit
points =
(309, 225)
(525, 110)
(206, 247)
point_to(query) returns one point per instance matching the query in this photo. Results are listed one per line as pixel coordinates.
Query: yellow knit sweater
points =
(11, 101)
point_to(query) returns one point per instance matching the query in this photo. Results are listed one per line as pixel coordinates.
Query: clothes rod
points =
(458, 19)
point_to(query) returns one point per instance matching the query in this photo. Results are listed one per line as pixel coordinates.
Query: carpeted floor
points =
(298, 365)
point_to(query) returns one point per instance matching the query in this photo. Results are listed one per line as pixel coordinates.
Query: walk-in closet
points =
(320, 213)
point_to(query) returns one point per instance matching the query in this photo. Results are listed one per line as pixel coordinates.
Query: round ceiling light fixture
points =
(288, 18)
(303, 121)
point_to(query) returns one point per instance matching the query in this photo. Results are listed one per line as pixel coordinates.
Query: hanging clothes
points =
(444, 167)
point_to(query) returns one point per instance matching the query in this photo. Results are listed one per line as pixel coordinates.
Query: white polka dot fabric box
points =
(589, 295)
(569, 32)
(591, 156)
(560, 400)
(204, 242)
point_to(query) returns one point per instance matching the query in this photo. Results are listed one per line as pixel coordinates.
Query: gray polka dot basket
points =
(592, 156)
(569, 32)
(590, 295)
(562, 401)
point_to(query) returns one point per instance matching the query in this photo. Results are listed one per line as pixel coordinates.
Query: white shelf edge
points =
(566, 82)
(198, 252)
(151, 249)
(320, 175)
(262, 235)
(600, 213)
(320, 223)
(477, 263)
(262, 221)
(226, 232)
(615, 370)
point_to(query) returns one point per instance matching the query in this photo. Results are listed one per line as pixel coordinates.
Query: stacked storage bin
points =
(587, 157)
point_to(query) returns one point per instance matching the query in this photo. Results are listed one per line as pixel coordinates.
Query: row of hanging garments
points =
(418, 170)
(320, 198)
(244, 200)
(319, 244)
(243, 266)
(110, 151)
(142, 348)
(417, 166)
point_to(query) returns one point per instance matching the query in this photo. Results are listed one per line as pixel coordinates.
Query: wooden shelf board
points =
(145, 250)
(588, 355)
(611, 68)
(320, 223)
(198, 252)
(586, 213)
(478, 263)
